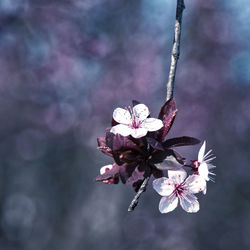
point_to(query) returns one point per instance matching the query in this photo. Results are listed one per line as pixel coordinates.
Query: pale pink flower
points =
(134, 121)
(177, 188)
(203, 165)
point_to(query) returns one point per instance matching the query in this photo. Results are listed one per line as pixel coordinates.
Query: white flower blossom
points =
(204, 164)
(177, 188)
(134, 121)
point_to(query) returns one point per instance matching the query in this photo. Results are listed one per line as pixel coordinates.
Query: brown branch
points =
(142, 188)
(170, 85)
(176, 49)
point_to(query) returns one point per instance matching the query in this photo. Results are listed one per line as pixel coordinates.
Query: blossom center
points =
(136, 123)
(195, 166)
(178, 189)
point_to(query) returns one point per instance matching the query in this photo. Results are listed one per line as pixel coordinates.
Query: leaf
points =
(130, 173)
(109, 139)
(157, 173)
(118, 142)
(160, 156)
(108, 174)
(154, 143)
(122, 142)
(135, 176)
(178, 157)
(167, 115)
(180, 141)
(126, 171)
(101, 141)
(169, 163)
(130, 156)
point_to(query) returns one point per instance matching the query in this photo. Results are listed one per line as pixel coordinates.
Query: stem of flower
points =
(134, 202)
(170, 85)
(176, 49)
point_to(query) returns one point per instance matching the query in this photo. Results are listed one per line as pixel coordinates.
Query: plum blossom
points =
(204, 162)
(138, 157)
(177, 188)
(203, 165)
(134, 121)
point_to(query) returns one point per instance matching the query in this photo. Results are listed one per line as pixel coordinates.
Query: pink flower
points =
(134, 121)
(177, 188)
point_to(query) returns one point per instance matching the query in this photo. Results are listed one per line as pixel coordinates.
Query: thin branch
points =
(176, 49)
(134, 202)
(170, 85)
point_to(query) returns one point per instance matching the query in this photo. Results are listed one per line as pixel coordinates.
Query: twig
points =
(134, 202)
(176, 49)
(170, 85)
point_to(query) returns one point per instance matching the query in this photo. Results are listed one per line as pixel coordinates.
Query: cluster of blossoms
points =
(138, 145)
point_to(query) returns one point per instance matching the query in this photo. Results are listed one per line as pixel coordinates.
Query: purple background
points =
(64, 66)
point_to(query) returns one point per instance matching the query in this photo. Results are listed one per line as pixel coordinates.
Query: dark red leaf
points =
(130, 173)
(130, 156)
(157, 173)
(126, 171)
(101, 141)
(121, 142)
(167, 115)
(137, 174)
(159, 156)
(117, 159)
(109, 139)
(180, 141)
(154, 143)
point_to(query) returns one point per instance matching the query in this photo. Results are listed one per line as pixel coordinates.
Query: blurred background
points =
(64, 66)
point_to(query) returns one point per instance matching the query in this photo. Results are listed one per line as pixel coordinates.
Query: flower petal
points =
(189, 203)
(203, 171)
(103, 169)
(141, 111)
(121, 129)
(168, 204)
(138, 132)
(152, 124)
(204, 191)
(202, 152)
(195, 184)
(122, 116)
(177, 175)
(163, 186)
